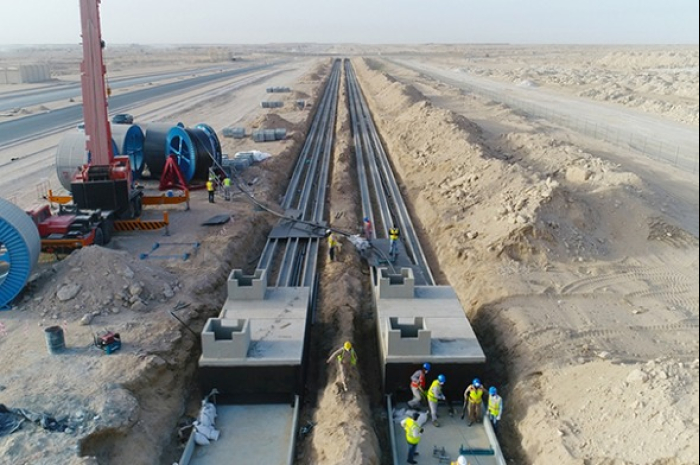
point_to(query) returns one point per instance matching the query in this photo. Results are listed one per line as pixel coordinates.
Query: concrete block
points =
(247, 287)
(407, 337)
(396, 285)
(225, 339)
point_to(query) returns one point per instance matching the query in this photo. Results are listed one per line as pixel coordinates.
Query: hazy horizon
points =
(362, 22)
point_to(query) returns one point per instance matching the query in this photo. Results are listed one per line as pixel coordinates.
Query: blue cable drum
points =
(71, 154)
(129, 139)
(214, 143)
(155, 146)
(180, 144)
(20, 246)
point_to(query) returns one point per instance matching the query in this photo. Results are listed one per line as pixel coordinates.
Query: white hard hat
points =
(462, 460)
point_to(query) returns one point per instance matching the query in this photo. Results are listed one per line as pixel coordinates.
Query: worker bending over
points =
(418, 386)
(346, 357)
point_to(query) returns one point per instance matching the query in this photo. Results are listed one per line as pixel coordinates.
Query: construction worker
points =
(393, 242)
(473, 396)
(461, 460)
(345, 356)
(333, 246)
(434, 395)
(418, 385)
(413, 433)
(227, 188)
(367, 225)
(495, 406)
(210, 189)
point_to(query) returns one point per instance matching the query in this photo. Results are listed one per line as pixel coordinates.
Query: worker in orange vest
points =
(418, 386)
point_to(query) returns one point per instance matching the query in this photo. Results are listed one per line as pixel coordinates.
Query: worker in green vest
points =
(473, 398)
(495, 406)
(227, 188)
(393, 242)
(434, 395)
(413, 434)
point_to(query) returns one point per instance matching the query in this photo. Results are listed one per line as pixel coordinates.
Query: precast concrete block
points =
(407, 337)
(247, 287)
(399, 285)
(225, 339)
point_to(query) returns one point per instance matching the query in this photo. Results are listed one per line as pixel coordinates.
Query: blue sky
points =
(357, 21)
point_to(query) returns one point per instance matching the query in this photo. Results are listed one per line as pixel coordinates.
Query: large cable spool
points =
(155, 145)
(205, 142)
(71, 155)
(214, 142)
(20, 246)
(129, 139)
(184, 148)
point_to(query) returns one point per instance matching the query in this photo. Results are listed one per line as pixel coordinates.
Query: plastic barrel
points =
(55, 341)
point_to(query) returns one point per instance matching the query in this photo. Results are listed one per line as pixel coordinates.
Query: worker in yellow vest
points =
(346, 357)
(210, 190)
(473, 398)
(393, 242)
(495, 406)
(434, 395)
(413, 434)
(333, 247)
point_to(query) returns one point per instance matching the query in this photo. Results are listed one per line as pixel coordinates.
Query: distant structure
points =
(25, 74)
(219, 54)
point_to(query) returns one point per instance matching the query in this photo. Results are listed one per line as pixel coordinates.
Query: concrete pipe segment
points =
(20, 246)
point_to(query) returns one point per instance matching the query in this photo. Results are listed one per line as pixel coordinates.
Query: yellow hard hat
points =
(347, 345)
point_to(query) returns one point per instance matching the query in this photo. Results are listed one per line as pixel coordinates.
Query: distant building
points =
(25, 74)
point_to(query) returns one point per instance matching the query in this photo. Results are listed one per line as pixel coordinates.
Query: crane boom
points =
(97, 129)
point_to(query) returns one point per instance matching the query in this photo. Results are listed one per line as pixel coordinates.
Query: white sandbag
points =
(422, 418)
(205, 419)
(200, 439)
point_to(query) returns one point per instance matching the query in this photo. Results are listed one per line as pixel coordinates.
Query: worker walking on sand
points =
(346, 357)
(210, 190)
(227, 188)
(495, 406)
(473, 396)
(393, 242)
(418, 386)
(434, 395)
(333, 247)
(413, 434)
(367, 226)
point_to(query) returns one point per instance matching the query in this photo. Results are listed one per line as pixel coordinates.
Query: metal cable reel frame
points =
(20, 246)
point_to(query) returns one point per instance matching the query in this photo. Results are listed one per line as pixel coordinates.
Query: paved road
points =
(29, 126)
(654, 136)
(68, 90)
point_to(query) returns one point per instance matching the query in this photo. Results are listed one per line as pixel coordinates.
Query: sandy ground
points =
(582, 290)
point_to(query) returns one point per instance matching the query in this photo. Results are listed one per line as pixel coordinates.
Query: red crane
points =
(105, 182)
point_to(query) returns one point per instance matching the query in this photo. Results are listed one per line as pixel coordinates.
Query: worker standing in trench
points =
(210, 189)
(346, 357)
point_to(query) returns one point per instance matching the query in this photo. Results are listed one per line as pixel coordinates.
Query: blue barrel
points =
(55, 341)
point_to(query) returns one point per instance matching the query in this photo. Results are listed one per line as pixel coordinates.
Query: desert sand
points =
(577, 270)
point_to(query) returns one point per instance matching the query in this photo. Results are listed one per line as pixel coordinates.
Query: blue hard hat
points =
(476, 382)
(441, 379)
(492, 391)
(426, 366)
(366, 218)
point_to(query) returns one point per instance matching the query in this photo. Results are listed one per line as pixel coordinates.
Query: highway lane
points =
(43, 123)
(68, 90)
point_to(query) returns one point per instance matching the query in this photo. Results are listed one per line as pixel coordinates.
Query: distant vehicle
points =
(81, 127)
(123, 118)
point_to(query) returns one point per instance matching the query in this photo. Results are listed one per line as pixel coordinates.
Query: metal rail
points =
(290, 258)
(383, 189)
